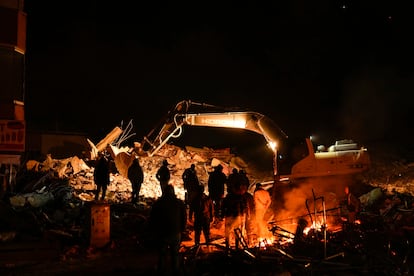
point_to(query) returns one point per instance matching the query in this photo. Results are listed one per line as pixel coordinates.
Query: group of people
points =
(101, 177)
(228, 200)
(238, 208)
(243, 212)
(169, 214)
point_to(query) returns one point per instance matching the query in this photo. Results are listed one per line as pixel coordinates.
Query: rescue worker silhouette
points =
(244, 179)
(101, 176)
(201, 209)
(168, 218)
(234, 210)
(191, 183)
(300, 239)
(216, 181)
(233, 181)
(163, 175)
(353, 205)
(136, 177)
(250, 215)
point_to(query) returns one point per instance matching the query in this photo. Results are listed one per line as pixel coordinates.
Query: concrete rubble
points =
(80, 175)
(51, 196)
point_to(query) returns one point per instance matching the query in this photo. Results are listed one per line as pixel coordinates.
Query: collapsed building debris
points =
(55, 194)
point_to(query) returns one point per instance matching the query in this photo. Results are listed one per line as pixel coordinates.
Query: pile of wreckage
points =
(52, 196)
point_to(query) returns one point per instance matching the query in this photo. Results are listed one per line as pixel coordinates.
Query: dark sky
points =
(340, 68)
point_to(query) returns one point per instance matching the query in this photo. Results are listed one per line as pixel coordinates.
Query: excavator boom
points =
(302, 162)
(179, 116)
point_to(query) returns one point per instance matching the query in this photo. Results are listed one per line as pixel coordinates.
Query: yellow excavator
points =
(299, 161)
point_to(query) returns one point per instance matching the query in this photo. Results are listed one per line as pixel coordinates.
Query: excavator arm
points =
(301, 161)
(181, 115)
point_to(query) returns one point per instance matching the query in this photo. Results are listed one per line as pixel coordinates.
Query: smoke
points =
(303, 198)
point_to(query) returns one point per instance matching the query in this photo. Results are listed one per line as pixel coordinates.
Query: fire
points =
(263, 243)
(316, 226)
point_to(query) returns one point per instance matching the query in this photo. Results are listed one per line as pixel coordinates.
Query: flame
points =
(263, 243)
(318, 226)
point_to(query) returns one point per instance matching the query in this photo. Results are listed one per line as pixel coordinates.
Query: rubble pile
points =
(53, 194)
(77, 176)
(396, 176)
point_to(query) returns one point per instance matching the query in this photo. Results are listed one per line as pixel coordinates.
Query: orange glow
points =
(315, 225)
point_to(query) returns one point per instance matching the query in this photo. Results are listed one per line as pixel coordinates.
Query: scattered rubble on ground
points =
(77, 176)
(51, 196)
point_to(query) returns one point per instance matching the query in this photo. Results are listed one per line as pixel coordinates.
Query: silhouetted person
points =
(233, 210)
(250, 215)
(353, 205)
(233, 181)
(101, 176)
(243, 179)
(299, 239)
(163, 175)
(136, 177)
(168, 220)
(191, 183)
(202, 210)
(216, 181)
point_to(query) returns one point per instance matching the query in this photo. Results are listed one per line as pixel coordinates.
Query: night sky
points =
(343, 69)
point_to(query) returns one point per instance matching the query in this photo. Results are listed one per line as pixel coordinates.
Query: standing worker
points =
(201, 209)
(262, 201)
(233, 181)
(136, 177)
(234, 212)
(163, 175)
(353, 205)
(101, 176)
(250, 214)
(216, 181)
(168, 219)
(191, 183)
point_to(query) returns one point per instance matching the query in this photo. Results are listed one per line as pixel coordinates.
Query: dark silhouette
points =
(163, 175)
(244, 180)
(353, 205)
(136, 177)
(234, 210)
(168, 218)
(233, 181)
(300, 239)
(101, 176)
(250, 215)
(202, 210)
(216, 181)
(191, 183)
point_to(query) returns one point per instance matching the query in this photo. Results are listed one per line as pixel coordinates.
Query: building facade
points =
(12, 90)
